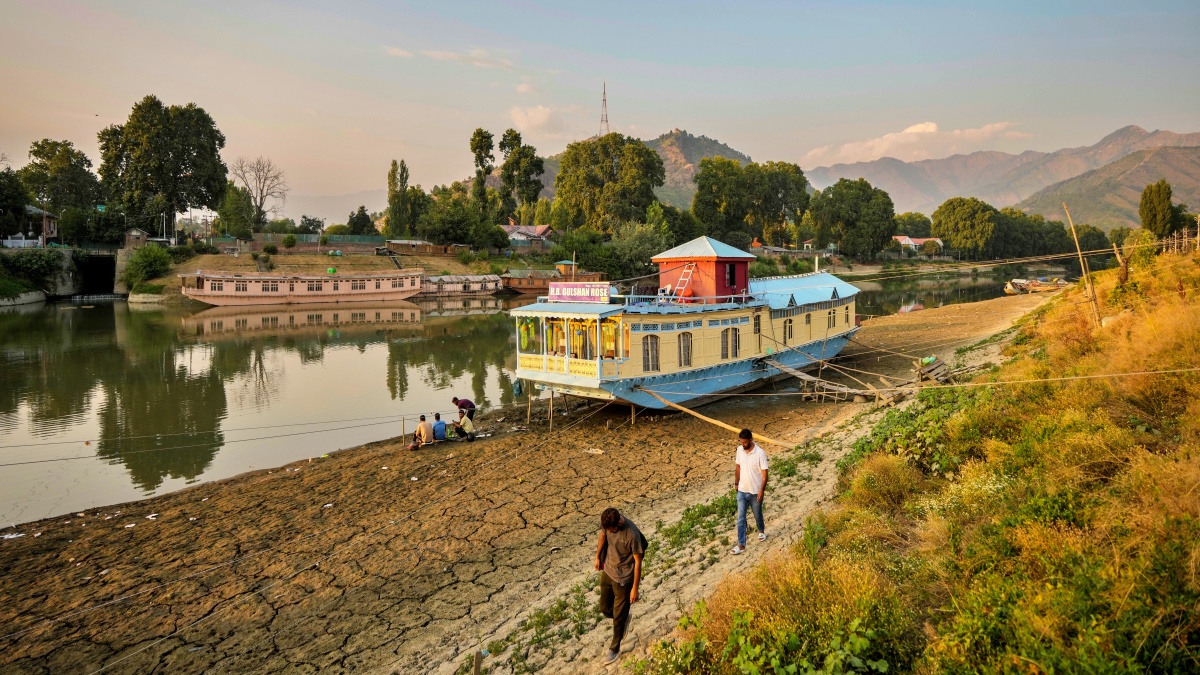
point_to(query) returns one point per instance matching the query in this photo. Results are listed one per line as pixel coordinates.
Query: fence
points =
(19, 243)
(1183, 241)
(276, 238)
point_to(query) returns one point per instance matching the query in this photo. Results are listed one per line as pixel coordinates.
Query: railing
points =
(531, 361)
(591, 368)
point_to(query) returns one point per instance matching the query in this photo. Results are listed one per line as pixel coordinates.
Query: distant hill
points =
(999, 178)
(1108, 197)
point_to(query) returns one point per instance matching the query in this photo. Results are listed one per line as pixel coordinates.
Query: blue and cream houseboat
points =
(710, 331)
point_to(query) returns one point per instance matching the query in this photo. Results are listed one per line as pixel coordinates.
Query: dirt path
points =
(347, 563)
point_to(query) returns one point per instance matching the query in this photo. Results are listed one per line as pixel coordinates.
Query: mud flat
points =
(377, 559)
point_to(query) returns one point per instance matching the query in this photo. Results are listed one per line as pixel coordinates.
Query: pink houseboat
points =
(251, 288)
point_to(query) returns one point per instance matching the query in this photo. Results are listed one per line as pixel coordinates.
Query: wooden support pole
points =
(632, 415)
(528, 406)
(693, 413)
(552, 410)
(477, 663)
(1083, 268)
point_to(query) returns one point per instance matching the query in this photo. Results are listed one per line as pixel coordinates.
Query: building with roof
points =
(703, 268)
(444, 285)
(538, 281)
(915, 243)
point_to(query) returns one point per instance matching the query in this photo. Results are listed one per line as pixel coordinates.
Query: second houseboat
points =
(257, 288)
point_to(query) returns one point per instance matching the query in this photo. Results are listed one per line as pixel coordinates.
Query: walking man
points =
(619, 560)
(465, 405)
(750, 476)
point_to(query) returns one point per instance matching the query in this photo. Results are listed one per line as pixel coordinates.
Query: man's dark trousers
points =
(614, 604)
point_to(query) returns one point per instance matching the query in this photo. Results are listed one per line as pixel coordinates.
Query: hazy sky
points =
(334, 91)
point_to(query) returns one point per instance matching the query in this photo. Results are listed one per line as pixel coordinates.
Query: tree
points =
(310, 225)
(451, 218)
(859, 217)
(13, 198)
(397, 211)
(148, 262)
(360, 222)
(1155, 209)
(541, 214)
(280, 226)
(263, 180)
(633, 244)
(913, 224)
(416, 203)
(519, 173)
(1118, 235)
(931, 248)
(289, 241)
(481, 148)
(1091, 238)
(756, 200)
(335, 231)
(722, 200)
(58, 176)
(163, 159)
(236, 216)
(608, 180)
(967, 225)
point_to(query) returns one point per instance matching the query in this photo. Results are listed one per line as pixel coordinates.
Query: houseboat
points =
(710, 331)
(528, 281)
(225, 321)
(257, 288)
(451, 285)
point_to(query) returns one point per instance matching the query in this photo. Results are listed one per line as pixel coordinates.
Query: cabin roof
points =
(803, 289)
(591, 310)
(703, 247)
(460, 278)
(531, 274)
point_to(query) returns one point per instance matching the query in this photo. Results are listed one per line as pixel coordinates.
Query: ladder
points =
(684, 279)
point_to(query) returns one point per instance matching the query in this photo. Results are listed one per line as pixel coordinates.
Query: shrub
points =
(11, 288)
(33, 265)
(181, 254)
(466, 257)
(270, 249)
(204, 248)
(884, 482)
(254, 255)
(289, 241)
(148, 289)
(148, 262)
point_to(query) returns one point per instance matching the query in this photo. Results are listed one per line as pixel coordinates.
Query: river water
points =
(104, 403)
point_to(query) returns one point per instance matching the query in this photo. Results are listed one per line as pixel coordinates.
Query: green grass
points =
(145, 288)
(11, 288)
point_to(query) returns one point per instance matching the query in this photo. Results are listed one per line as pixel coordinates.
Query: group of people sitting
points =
(462, 429)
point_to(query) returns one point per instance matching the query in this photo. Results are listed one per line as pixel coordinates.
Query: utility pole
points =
(1087, 273)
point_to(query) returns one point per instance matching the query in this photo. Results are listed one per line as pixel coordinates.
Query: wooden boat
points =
(235, 320)
(453, 285)
(710, 330)
(257, 288)
(1023, 286)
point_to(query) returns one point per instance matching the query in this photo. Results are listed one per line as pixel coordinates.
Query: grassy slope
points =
(1108, 197)
(1042, 527)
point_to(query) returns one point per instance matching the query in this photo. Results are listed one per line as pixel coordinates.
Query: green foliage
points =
(701, 520)
(148, 262)
(482, 145)
(1155, 209)
(519, 173)
(918, 432)
(289, 241)
(13, 198)
(235, 217)
(859, 217)
(967, 225)
(1141, 248)
(759, 200)
(763, 267)
(334, 231)
(1118, 235)
(541, 214)
(912, 224)
(58, 176)
(324, 240)
(607, 180)
(452, 218)
(147, 289)
(359, 222)
(164, 159)
(270, 249)
(11, 287)
(397, 194)
(33, 265)
(310, 225)
(73, 226)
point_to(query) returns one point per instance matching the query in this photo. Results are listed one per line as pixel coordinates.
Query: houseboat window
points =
(650, 353)
(270, 286)
(291, 287)
(238, 324)
(529, 335)
(847, 315)
(395, 283)
(608, 338)
(335, 285)
(412, 281)
(240, 286)
(217, 285)
(358, 285)
(625, 343)
(787, 331)
(730, 275)
(808, 319)
(757, 324)
(685, 350)
(730, 341)
(831, 321)
(314, 286)
(376, 284)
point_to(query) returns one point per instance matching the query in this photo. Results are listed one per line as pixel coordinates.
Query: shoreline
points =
(411, 571)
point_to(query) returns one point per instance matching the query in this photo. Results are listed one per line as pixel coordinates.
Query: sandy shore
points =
(376, 559)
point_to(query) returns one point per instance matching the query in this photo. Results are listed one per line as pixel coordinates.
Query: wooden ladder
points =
(684, 279)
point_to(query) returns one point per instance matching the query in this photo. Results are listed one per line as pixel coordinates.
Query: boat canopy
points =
(805, 289)
(575, 310)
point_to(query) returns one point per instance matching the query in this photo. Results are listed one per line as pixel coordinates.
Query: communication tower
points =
(604, 109)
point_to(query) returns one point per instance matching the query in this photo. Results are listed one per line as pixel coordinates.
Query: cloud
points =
(474, 57)
(526, 88)
(538, 119)
(919, 141)
(396, 51)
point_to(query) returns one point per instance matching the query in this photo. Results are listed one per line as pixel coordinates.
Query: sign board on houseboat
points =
(578, 291)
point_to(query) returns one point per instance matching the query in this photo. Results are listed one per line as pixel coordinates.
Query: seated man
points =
(439, 427)
(464, 428)
(423, 434)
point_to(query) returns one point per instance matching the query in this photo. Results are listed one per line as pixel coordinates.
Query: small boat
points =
(1039, 285)
(710, 331)
(257, 288)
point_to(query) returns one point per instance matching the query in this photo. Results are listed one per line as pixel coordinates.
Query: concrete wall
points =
(66, 279)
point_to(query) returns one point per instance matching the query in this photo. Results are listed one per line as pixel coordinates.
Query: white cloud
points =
(919, 141)
(474, 57)
(538, 119)
(396, 51)
(526, 88)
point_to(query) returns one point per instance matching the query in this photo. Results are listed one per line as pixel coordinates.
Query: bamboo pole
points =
(693, 413)
(1083, 268)
(528, 406)
(552, 410)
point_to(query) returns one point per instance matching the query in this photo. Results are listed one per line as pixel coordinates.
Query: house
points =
(704, 267)
(136, 238)
(530, 237)
(42, 220)
(538, 281)
(422, 247)
(915, 243)
(760, 249)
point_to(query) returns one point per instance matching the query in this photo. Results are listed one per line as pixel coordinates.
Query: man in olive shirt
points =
(619, 560)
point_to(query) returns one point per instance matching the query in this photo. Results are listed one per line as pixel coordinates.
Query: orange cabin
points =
(704, 269)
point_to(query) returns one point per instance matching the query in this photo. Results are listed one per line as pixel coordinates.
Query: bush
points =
(148, 289)
(289, 241)
(270, 249)
(181, 253)
(33, 265)
(204, 248)
(254, 255)
(11, 288)
(148, 262)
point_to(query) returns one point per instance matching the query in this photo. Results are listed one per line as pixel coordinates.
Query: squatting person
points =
(750, 477)
(619, 560)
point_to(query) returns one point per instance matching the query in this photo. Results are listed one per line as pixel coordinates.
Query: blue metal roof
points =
(804, 289)
(703, 247)
(585, 309)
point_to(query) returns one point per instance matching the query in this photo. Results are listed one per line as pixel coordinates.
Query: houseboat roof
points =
(531, 274)
(271, 276)
(462, 278)
(705, 248)
(587, 310)
(801, 289)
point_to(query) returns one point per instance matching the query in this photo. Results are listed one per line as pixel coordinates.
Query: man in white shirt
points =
(750, 476)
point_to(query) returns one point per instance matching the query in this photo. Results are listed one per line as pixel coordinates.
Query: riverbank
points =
(380, 558)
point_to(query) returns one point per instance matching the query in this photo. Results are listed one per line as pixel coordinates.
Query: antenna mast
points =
(604, 109)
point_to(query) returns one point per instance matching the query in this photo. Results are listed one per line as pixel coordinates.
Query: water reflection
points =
(167, 397)
(897, 296)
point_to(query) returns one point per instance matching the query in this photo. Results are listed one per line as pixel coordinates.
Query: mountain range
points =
(999, 178)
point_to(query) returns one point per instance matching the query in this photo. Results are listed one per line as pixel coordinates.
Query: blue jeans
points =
(748, 499)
